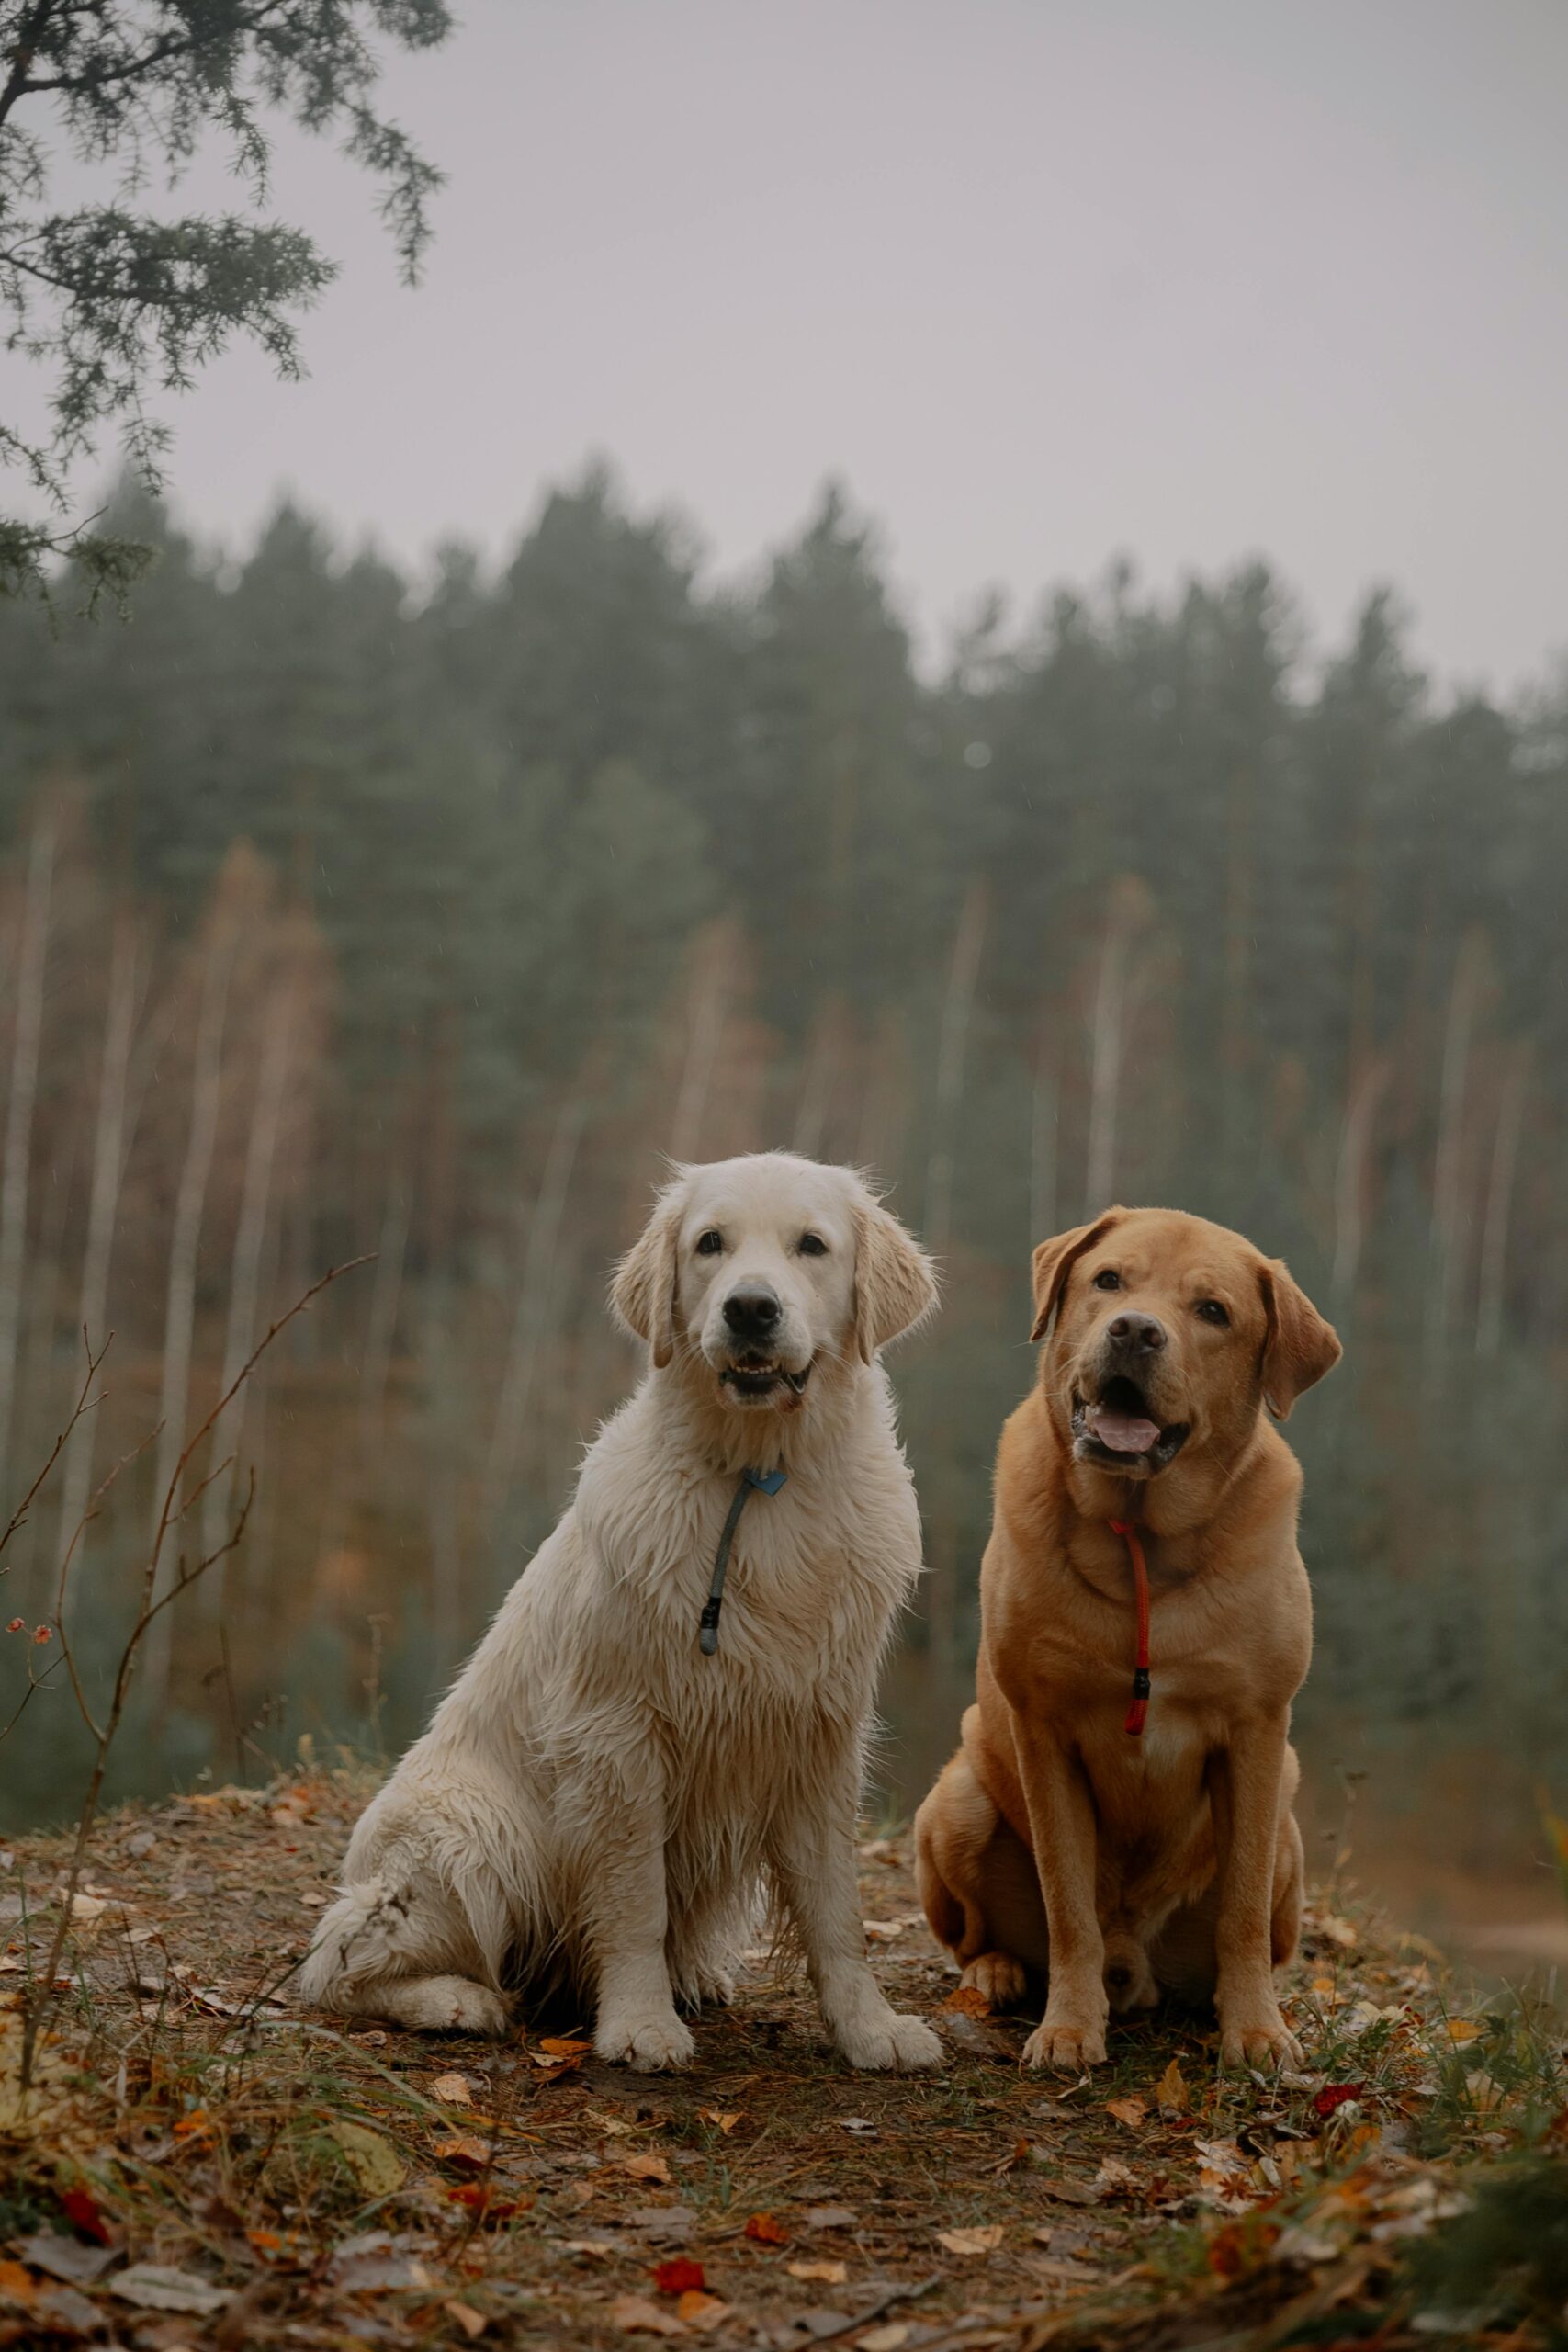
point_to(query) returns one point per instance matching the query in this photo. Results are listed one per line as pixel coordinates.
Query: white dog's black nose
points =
(1136, 1335)
(752, 1310)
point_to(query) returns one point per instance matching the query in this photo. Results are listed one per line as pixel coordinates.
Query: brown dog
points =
(1063, 1841)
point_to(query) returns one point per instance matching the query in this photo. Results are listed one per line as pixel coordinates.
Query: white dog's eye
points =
(710, 1243)
(813, 1246)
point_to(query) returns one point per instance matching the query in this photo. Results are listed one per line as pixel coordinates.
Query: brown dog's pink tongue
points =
(1122, 1432)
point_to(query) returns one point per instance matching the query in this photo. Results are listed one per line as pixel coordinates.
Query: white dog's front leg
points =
(811, 1846)
(626, 1908)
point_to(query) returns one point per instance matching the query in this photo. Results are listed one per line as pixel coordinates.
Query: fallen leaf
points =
(374, 2162)
(829, 2274)
(645, 2168)
(190, 2125)
(883, 1931)
(479, 2196)
(680, 2277)
(972, 2242)
(1462, 2030)
(452, 2090)
(1171, 2090)
(66, 2258)
(631, 2314)
(16, 2285)
(155, 2287)
(464, 2150)
(887, 2338)
(563, 2046)
(1114, 2174)
(860, 2124)
(766, 2229)
(471, 2321)
(1334, 2095)
(595, 2249)
(1071, 2192)
(720, 2122)
(1339, 1931)
(1129, 2112)
(830, 2217)
(700, 2311)
(969, 2002)
(80, 2206)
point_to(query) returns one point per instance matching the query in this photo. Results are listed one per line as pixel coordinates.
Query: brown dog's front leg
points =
(1061, 1832)
(1244, 1790)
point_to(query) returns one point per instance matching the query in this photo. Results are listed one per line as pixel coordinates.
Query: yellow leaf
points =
(1129, 2112)
(464, 2150)
(720, 2122)
(1172, 2092)
(563, 2046)
(969, 2002)
(632, 2312)
(701, 2311)
(831, 2274)
(649, 2168)
(1463, 2030)
(972, 2242)
(374, 2162)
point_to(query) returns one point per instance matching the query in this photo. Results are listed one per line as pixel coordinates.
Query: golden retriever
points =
(640, 1743)
(1113, 1848)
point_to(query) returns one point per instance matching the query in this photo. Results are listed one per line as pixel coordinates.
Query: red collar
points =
(1137, 1714)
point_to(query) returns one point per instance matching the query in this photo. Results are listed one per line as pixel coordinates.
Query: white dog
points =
(642, 1742)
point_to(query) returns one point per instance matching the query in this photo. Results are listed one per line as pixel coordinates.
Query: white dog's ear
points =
(642, 1292)
(895, 1280)
(1301, 1345)
(1054, 1261)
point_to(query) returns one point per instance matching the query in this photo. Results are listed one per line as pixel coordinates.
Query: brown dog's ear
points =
(642, 1291)
(1053, 1262)
(895, 1282)
(1301, 1345)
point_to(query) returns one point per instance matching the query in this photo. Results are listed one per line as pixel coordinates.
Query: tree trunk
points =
(953, 1045)
(15, 1166)
(190, 1200)
(536, 1295)
(1448, 1173)
(1350, 1185)
(1043, 1140)
(1499, 1205)
(245, 1284)
(110, 1139)
(1107, 1040)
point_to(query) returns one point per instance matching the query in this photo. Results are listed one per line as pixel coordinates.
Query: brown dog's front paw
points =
(1260, 2041)
(998, 1978)
(1068, 2048)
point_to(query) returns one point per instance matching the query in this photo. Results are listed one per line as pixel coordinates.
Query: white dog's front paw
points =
(445, 2004)
(889, 2042)
(648, 2044)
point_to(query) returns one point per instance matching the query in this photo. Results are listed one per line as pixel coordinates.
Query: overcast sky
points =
(1042, 280)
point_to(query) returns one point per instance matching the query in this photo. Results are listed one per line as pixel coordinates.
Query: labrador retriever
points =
(1118, 1819)
(671, 1708)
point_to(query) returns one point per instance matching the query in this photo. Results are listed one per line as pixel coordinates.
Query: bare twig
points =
(149, 1609)
(82, 1405)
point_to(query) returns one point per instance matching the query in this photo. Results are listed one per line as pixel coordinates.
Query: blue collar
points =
(764, 1482)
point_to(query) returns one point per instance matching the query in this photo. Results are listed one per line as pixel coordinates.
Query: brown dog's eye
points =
(710, 1243)
(1212, 1311)
(813, 1246)
(1108, 1279)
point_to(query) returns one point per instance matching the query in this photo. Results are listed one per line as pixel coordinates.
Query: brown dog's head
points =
(1168, 1335)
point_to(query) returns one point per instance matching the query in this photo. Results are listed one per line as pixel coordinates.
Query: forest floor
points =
(197, 2164)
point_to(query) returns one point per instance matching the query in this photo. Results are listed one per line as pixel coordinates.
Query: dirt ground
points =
(195, 2163)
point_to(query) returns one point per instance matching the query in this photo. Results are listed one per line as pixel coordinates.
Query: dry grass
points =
(305, 2185)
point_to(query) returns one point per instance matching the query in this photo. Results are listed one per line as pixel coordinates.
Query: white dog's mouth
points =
(754, 1379)
(1117, 1430)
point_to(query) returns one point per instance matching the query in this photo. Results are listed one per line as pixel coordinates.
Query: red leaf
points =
(1334, 2095)
(81, 2206)
(680, 2277)
(766, 2229)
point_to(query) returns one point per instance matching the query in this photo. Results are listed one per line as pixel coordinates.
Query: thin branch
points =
(18, 1517)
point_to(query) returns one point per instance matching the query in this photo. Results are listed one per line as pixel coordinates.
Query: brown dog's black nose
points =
(1120, 1975)
(752, 1310)
(1136, 1335)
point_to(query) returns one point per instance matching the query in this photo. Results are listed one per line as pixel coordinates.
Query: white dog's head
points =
(762, 1267)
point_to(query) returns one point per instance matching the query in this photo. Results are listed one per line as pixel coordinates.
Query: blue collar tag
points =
(767, 1482)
